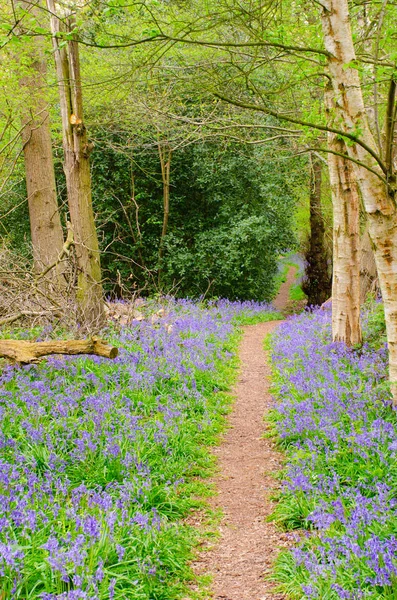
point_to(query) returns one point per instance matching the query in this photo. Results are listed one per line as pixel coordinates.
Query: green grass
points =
(243, 319)
(296, 294)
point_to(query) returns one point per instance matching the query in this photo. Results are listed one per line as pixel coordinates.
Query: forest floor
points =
(248, 463)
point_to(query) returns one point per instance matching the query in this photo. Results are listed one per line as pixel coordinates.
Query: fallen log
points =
(25, 352)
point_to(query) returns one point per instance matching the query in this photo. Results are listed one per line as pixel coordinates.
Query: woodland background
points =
(194, 145)
(239, 183)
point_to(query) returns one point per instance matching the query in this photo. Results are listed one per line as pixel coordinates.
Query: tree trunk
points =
(375, 178)
(165, 154)
(317, 283)
(45, 222)
(26, 352)
(368, 274)
(78, 178)
(346, 323)
(346, 249)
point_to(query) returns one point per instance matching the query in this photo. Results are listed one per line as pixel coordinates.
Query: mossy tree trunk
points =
(77, 171)
(45, 222)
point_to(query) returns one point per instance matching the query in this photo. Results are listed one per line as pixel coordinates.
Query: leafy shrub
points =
(231, 214)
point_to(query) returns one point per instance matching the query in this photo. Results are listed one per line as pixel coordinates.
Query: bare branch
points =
(343, 134)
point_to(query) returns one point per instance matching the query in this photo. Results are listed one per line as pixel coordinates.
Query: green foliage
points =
(14, 214)
(231, 213)
(296, 293)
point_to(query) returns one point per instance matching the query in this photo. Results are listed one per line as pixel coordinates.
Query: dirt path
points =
(281, 301)
(248, 544)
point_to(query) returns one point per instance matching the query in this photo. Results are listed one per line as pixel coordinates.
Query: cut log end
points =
(114, 352)
(103, 349)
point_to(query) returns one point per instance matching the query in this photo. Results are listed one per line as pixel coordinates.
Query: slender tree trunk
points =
(138, 236)
(165, 154)
(346, 249)
(368, 272)
(45, 222)
(346, 323)
(377, 185)
(316, 284)
(78, 178)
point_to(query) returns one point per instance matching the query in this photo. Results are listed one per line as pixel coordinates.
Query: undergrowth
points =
(334, 420)
(101, 461)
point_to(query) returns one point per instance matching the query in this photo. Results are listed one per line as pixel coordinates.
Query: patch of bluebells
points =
(97, 456)
(336, 423)
(246, 308)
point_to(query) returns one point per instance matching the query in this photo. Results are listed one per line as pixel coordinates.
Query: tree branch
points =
(303, 123)
(357, 162)
(208, 44)
(390, 122)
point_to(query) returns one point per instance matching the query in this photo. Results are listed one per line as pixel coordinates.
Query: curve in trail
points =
(247, 461)
(282, 299)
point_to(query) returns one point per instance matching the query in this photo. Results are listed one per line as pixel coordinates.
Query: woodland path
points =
(247, 463)
(281, 301)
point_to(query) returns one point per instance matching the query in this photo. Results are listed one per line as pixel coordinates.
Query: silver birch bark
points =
(346, 325)
(375, 177)
(346, 248)
(368, 272)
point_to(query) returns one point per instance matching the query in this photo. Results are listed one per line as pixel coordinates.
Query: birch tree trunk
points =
(78, 178)
(45, 222)
(374, 172)
(346, 248)
(368, 272)
(346, 324)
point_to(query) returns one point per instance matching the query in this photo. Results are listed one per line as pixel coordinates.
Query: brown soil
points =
(282, 300)
(248, 544)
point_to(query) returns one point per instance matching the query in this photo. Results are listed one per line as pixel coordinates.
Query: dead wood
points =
(25, 352)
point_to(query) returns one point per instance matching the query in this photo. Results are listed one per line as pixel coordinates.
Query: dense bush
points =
(230, 215)
(231, 210)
